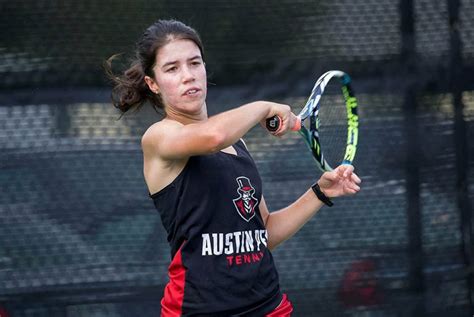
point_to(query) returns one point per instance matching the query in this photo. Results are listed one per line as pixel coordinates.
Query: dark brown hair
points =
(130, 89)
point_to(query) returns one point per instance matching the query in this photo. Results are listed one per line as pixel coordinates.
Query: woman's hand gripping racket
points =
(336, 121)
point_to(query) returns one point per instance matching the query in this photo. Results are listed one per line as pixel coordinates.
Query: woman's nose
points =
(187, 74)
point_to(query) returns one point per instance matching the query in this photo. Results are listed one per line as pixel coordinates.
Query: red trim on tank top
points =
(284, 309)
(172, 302)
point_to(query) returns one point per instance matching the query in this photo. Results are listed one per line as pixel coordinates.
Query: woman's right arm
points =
(172, 140)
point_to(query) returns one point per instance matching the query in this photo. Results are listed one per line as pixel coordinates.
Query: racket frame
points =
(311, 111)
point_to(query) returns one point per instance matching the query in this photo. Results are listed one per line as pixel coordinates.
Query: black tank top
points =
(218, 239)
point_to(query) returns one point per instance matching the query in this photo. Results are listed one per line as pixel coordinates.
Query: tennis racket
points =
(333, 121)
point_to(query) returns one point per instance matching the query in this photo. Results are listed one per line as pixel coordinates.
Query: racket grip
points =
(274, 123)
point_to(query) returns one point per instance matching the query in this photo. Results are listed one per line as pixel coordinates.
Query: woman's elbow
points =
(216, 141)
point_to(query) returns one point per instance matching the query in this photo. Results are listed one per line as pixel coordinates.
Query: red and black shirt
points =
(220, 261)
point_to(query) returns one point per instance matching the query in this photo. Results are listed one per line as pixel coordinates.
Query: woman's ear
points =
(152, 85)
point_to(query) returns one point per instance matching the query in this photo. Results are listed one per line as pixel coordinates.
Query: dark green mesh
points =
(79, 235)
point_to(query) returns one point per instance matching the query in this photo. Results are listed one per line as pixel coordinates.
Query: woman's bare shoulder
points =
(159, 172)
(158, 130)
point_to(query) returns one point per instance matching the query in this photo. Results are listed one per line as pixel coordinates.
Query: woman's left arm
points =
(284, 223)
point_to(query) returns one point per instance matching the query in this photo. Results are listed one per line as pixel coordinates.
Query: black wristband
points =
(317, 190)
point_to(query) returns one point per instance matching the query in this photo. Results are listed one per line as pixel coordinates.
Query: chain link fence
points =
(79, 235)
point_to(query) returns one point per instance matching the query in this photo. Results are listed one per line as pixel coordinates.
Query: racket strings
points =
(332, 125)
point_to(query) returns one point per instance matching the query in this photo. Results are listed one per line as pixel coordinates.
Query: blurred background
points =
(79, 235)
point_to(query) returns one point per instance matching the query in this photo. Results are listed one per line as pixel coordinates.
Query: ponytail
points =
(130, 90)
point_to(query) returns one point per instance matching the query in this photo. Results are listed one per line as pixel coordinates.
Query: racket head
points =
(338, 113)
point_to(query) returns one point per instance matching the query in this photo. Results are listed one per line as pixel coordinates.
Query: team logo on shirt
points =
(245, 203)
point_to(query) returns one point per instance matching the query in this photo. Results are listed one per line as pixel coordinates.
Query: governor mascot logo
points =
(245, 203)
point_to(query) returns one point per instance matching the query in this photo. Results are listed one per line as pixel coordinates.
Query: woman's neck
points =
(187, 118)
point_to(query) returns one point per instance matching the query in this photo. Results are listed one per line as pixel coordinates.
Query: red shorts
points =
(284, 309)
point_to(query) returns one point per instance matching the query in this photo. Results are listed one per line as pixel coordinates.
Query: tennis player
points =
(205, 184)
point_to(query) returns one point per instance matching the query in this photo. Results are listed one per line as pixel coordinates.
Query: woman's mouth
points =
(191, 91)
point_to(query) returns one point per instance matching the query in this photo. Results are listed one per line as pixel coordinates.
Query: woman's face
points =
(180, 78)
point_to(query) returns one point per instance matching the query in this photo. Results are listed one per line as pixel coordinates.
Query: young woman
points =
(206, 186)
